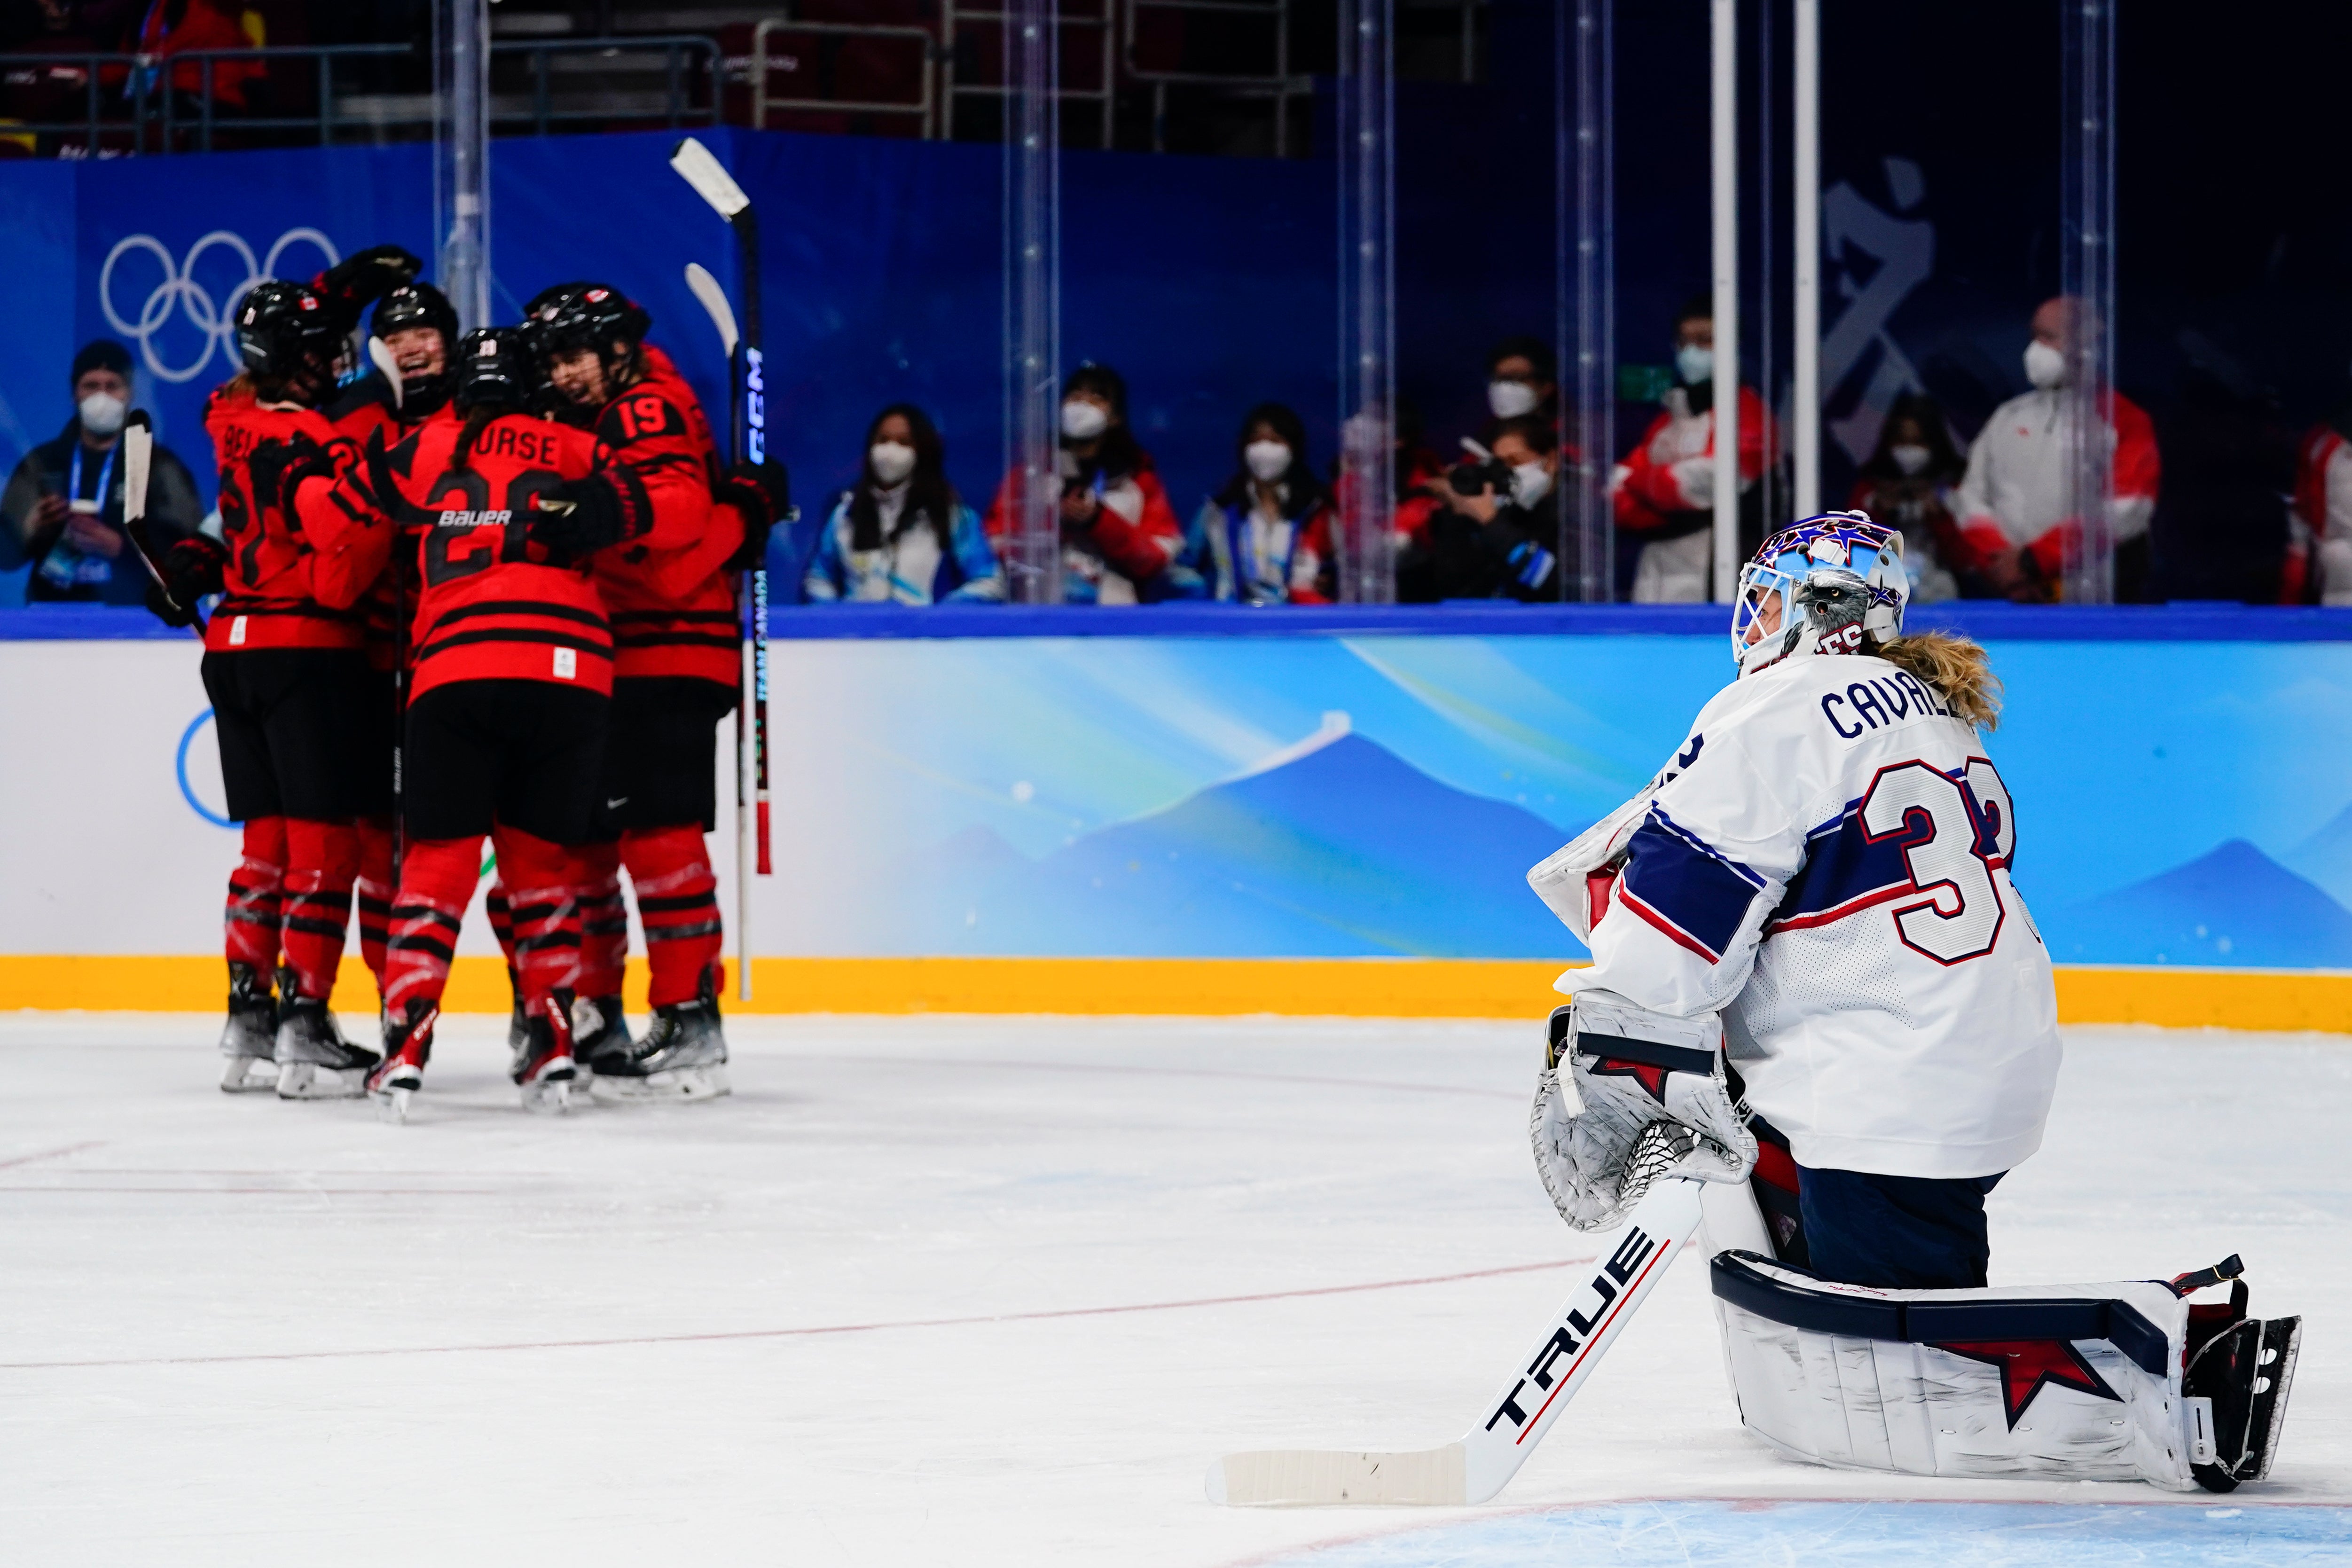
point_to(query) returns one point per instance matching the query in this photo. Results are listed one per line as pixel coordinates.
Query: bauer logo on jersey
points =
(474, 519)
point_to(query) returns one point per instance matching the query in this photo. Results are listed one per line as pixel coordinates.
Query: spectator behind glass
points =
(1907, 484)
(1523, 379)
(1491, 544)
(1270, 529)
(2012, 502)
(63, 502)
(2319, 565)
(1119, 536)
(177, 27)
(1664, 492)
(901, 535)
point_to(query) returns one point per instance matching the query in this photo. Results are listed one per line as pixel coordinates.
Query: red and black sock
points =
(437, 882)
(372, 892)
(495, 904)
(544, 880)
(322, 861)
(256, 896)
(603, 919)
(677, 904)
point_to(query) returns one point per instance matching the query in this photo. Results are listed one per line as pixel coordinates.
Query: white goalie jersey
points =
(1826, 861)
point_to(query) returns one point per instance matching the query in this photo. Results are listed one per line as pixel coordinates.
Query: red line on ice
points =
(49, 1155)
(825, 1329)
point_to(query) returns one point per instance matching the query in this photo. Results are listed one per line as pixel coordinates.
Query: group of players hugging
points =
(487, 590)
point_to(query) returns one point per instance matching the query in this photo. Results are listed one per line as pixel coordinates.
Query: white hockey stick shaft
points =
(1483, 1460)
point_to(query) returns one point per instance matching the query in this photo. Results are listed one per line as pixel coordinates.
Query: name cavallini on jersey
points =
(1880, 702)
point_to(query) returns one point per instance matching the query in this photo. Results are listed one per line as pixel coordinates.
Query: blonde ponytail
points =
(1956, 667)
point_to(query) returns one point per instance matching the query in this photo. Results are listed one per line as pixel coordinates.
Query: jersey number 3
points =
(1954, 835)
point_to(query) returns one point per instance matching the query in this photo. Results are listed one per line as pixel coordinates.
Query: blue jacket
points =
(911, 568)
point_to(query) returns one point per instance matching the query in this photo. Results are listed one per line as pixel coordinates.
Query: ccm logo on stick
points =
(1579, 1327)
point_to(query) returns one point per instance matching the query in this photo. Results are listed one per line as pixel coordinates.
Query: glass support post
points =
(1805, 221)
(2087, 278)
(1033, 297)
(1367, 303)
(1588, 340)
(461, 151)
(1723, 180)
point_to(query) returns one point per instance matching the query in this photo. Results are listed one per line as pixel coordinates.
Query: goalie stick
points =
(138, 462)
(747, 431)
(1480, 1462)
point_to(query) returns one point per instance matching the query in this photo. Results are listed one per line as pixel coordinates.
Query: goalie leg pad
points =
(2079, 1382)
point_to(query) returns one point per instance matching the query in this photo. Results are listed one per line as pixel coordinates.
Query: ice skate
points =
(400, 1074)
(599, 1031)
(251, 1039)
(682, 1056)
(543, 1067)
(314, 1060)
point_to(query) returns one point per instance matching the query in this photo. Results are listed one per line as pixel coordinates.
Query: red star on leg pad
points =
(2026, 1364)
(1653, 1078)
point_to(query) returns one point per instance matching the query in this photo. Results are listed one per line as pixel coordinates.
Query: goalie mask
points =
(1831, 583)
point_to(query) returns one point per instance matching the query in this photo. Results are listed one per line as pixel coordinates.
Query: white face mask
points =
(2045, 367)
(1531, 482)
(102, 414)
(1509, 399)
(1267, 460)
(1908, 457)
(892, 461)
(1083, 421)
(1694, 363)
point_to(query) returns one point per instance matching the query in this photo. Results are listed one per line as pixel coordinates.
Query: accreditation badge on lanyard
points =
(65, 567)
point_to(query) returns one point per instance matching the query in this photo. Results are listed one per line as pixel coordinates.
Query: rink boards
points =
(1309, 813)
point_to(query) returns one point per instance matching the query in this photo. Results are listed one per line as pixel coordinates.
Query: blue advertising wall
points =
(1206, 782)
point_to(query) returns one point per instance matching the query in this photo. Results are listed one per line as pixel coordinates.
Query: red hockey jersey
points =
(490, 605)
(291, 581)
(671, 597)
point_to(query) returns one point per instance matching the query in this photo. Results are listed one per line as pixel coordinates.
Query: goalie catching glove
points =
(576, 519)
(1610, 1070)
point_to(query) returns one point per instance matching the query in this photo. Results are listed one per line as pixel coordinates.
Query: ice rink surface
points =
(995, 1291)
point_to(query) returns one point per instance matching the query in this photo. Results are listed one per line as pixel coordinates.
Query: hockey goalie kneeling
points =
(1811, 963)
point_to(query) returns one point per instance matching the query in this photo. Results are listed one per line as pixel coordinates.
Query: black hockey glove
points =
(351, 286)
(576, 520)
(190, 570)
(763, 493)
(279, 467)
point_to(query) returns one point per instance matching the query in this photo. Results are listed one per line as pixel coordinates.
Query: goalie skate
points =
(2245, 1367)
(249, 1041)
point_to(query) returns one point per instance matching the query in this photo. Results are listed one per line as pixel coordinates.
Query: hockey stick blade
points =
(708, 177)
(1483, 1460)
(389, 368)
(138, 463)
(714, 300)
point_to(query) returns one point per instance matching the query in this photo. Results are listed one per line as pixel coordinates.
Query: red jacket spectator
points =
(1663, 493)
(179, 27)
(2321, 547)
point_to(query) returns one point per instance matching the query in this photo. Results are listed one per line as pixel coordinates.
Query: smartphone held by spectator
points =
(1121, 543)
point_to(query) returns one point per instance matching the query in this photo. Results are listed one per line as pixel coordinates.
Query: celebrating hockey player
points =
(513, 669)
(302, 542)
(419, 328)
(669, 589)
(1811, 963)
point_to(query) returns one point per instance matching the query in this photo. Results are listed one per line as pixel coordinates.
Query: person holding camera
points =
(1498, 536)
(63, 502)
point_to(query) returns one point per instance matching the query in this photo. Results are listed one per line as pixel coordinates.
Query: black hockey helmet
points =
(415, 305)
(284, 328)
(493, 365)
(570, 317)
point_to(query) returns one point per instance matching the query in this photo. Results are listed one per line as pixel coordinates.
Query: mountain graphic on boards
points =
(2233, 906)
(1343, 850)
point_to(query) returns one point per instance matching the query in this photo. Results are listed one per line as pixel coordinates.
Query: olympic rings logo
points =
(180, 291)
